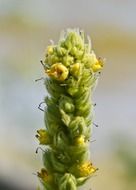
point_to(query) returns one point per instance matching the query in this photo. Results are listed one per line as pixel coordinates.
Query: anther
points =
(39, 107)
(95, 124)
(42, 78)
(42, 64)
(94, 104)
(38, 150)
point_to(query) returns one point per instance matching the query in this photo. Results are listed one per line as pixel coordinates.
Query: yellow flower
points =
(43, 174)
(43, 136)
(80, 140)
(86, 169)
(58, 71)
(98, 65)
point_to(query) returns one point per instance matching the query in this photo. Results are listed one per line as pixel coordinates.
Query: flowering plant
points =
(72, 71)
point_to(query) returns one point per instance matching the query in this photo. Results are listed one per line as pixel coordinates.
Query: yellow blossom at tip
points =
(43, 136)
(86, 169)
(58, 71)
(43, 174)
(80, 140)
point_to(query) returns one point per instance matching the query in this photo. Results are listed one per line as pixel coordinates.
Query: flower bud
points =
(68, 60)
(50, 50)
(75, 69)
(60, 51)
(66, 104)
(76, 52)
(68, 181)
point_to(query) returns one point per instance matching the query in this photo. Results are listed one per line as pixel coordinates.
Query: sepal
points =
(67, 182)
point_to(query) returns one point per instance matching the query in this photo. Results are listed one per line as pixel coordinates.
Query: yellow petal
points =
(87, 169)
(43, 136)
(80, 140)
(98, 65)
(58, 71)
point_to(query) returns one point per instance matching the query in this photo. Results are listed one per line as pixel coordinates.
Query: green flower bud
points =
(72, 91)
(68, 181)
(57, 165)
(75, 69)
(60, 51)
(72, 85)
(81, 152)
(60, 140)
(54, 59)
(66, 104)
(50, 50)
(78, 54)
(77, 126)
(51, 59)
(65, 117)
(74, 39)
(67, 60)
(81, 180)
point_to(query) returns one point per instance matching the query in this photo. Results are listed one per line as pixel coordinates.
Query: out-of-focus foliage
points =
(127, 158)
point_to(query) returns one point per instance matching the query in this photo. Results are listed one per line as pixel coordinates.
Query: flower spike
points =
(71, 74)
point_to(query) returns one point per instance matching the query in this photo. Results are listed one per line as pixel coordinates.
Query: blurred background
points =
(25, 30)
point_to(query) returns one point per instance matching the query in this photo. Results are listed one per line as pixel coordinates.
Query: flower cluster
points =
(72, 71)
